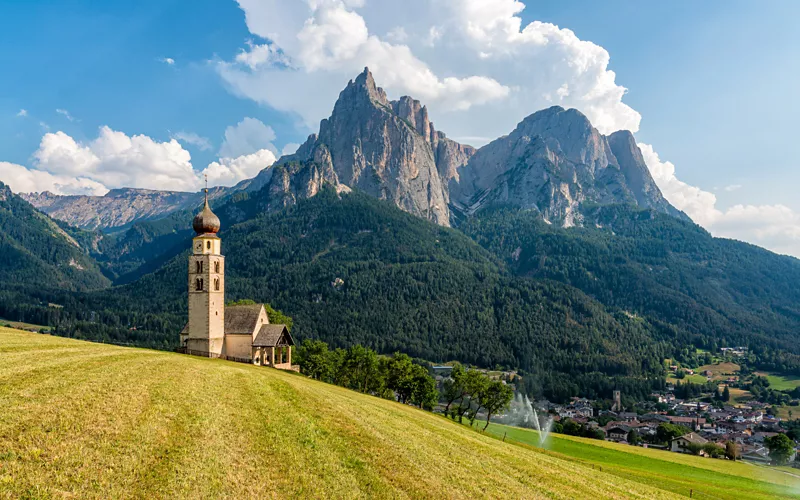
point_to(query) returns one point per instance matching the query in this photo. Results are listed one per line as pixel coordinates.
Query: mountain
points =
(37, 252)
(120, 208)
(555, 162)
(382, 148)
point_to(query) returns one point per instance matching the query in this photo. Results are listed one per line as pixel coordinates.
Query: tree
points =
(400, 376)
(667, 432)
(364, 373)
(453, 387)
(713, 450)
(572, 428)
(474, 384)
(633, 437)
(425, 395)
(731, 450)
(495, 397)
(314, 359)
(726, 394)
(781, 448)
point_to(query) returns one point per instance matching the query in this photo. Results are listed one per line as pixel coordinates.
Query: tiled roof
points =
(693, 438)
(272, 336)
(242, 320)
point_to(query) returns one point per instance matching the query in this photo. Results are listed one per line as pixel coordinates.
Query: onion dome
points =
(206, 222)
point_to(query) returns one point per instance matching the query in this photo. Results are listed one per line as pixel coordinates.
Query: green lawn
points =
(695, 379)
(83, 420)
(781, 382)
(704, 477)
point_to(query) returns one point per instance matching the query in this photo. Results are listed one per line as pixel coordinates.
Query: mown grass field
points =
(82, 420)
(781, 382)
(680, 474)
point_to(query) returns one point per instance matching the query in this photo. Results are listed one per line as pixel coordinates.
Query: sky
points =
(154, 94)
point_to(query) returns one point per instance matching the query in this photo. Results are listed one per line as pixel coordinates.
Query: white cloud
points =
(24, 180)
(167, 60)
(775, 227)
(248, 136)
(454, 55)
(22, 113)
(113, 160)
(732, 188)
(229, 171)
(195, 140)
(65, 114)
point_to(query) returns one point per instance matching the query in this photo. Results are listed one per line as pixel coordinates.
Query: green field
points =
(781, 382)
(704, 477)
(90, 420)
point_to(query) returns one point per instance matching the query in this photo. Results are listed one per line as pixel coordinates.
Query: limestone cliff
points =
(553, 162)
(382, 148)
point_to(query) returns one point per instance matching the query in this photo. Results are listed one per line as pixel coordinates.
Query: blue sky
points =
(715, 82)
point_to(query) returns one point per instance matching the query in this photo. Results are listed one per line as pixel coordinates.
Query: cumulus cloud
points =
(229, 171)
(195, 140)
(22, 113)
(25, 180)
(454, 55)
(63, 165)
(246, 137)
(117, 160)
(168, 61)
(775, 227)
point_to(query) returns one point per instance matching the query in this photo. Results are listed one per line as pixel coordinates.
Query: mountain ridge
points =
(554, 161)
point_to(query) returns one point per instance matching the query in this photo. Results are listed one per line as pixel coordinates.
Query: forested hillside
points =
(37, 252)
(710, 291)
(578, 310)
(358, 270)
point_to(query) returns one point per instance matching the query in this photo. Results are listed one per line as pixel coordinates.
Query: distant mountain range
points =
(554, 163)
(550, 250)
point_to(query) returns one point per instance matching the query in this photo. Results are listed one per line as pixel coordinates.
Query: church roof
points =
(206, 222)
(272, 336)
(242, 320)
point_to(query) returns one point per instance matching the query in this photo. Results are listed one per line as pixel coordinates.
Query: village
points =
(728, 421)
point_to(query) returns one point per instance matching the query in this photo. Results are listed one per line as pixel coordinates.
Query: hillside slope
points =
(97, 421)
(711, 291)
(37, 252)
(405, 285)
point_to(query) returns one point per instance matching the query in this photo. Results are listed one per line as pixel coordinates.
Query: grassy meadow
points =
(781, 382)
(704, 477)
(87, 420)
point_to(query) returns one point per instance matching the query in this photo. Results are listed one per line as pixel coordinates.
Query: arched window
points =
(199, 284)
(216, 284)
(216, 267)
(198, 267)
(208, 244)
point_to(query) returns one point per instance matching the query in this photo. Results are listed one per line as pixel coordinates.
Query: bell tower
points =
(206, 329)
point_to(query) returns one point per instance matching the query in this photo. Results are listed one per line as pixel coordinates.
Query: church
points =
(238, 333)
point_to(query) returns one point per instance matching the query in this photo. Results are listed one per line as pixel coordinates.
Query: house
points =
(618, 432)
(628, 416)
(692, 422)
(681, 444)
(239, 333)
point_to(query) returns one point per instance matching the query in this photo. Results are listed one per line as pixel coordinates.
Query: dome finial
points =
(206, 222)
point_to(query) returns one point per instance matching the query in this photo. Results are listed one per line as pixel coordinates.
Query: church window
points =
(216, 284)
(216, 267)
(208, 244)
(198, 266)
(199, 284)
